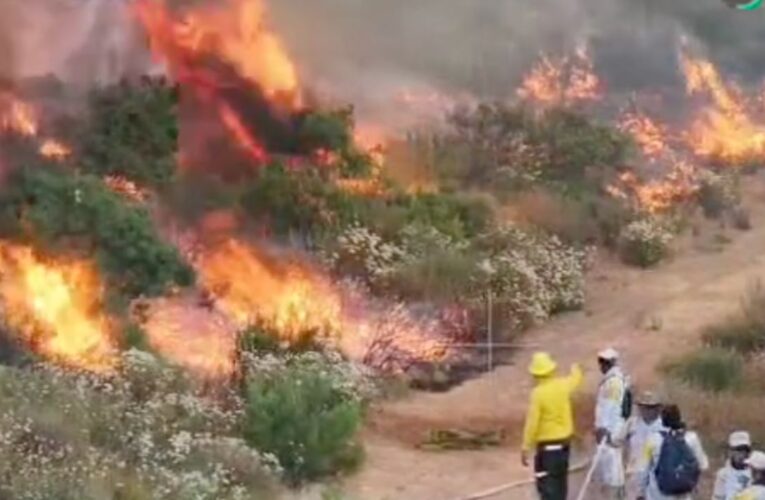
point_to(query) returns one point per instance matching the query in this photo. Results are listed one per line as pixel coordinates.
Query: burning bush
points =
(80, 213)
(132, 132)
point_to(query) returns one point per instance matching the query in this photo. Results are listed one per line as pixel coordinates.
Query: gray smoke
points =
(364, 51)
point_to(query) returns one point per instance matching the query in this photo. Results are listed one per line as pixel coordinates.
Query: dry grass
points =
(542, 209)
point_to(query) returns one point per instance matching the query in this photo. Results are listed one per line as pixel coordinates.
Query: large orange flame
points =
(564, 80)
(725, 130)
(55, 307)
(293, 299)
(678, 186)
(234, 31)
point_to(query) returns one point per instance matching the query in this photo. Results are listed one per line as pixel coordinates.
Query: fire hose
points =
(525, 482)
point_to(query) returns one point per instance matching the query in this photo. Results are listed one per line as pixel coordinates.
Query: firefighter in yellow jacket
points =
(550, 426)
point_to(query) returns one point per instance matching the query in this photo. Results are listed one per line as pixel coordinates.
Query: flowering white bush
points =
(362, 252)
(143, 433)
(645, 242)
(531, 276)
(717, 192)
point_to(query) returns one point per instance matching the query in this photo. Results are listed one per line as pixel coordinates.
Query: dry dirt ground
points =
(647, 315)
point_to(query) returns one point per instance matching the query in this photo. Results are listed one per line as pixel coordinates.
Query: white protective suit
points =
(730, 481)
(634, 435)
(648, 487)
(608, 416)
(755, 492)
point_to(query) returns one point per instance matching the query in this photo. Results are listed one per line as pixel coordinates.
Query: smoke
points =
(80, 41)
(365, 51)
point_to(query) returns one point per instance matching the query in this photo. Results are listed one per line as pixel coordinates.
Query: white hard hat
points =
(739, 438)
(756, 460)
(609, 354)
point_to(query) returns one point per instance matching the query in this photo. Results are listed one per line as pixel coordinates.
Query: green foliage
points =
(302, 200)
(326, 130)
(261, 338)
(443, 276)
(306, 422)
(509, 148)
(714, 370)
(132, 131)
(56, 208)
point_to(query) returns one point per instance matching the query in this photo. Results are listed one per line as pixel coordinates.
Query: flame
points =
(54, 306)
(680, 185)
(234, 125)
(191, 336)
(292, 299)
(234, 31)
(126, 187)
(22, 118)
(724, 130)
(564, 80)
(649, 135)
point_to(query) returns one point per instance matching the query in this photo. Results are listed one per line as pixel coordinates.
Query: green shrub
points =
(645, 242)
(306, 422)
(132, 131)
(713, 370)
(56, 208)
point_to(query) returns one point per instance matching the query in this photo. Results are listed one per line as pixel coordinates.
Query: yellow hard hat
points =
(542, 364)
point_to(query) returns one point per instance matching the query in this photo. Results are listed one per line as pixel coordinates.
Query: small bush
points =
(717, 194)
(743, 332)
(645, 243)
(713, 370)
(306, 420)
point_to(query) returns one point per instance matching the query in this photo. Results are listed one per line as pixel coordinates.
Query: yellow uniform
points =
(550, 416)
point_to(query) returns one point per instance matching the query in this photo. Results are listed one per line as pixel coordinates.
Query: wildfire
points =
(289, 298)
(659, 195)
(564, 80)
(215, 47)
(54, 306)
(724, 130)
(649, 135)
(22, 118)
(196, 338)
(293, 299)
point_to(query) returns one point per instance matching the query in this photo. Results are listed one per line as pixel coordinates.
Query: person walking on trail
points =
(756, 491)
(634, 436)
(612, 408)
(674, 460)
(550, 426)
(735, 476)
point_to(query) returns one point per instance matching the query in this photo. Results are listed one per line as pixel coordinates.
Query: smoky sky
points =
(362, 51)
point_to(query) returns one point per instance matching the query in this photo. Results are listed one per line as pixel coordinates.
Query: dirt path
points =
(645, 314)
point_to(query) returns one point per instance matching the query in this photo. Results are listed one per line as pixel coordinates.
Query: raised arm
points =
(575, 377)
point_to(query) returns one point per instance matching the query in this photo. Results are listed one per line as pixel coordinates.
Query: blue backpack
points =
(678, 471)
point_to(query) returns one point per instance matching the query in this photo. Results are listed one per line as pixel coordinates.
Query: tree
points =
(132, 131)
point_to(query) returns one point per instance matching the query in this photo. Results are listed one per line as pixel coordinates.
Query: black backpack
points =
(627, 401)
(677, 471)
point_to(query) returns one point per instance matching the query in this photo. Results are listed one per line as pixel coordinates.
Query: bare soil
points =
(647, 315)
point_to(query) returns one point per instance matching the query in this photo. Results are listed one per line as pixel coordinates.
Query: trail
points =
(647, 315)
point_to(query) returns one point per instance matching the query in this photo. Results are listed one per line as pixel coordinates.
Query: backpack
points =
(677, 471)
(627, 401)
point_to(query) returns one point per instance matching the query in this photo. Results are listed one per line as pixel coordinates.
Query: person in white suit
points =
(609, 424)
